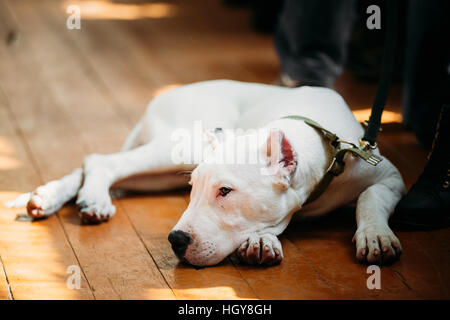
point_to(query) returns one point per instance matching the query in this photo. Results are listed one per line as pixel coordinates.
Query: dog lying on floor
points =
(237, 206)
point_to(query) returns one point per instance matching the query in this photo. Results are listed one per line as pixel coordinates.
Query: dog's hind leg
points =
(49, 198)
(102, 171)
(19, 202)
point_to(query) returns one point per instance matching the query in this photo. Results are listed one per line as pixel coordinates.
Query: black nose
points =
(179, 240)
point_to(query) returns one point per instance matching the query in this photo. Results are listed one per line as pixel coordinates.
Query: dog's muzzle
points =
(179, 241)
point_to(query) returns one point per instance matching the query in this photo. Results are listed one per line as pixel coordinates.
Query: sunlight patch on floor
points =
(24, 246)
(388, 116)
(212, 293)
(8, 160)
(165, 88)
(100, 10)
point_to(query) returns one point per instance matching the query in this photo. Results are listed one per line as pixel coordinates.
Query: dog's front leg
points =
(261, 249)
(375, 241)
(101, 171)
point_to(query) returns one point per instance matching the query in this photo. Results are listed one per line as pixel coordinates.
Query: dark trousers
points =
(312, 39)
(427, 66)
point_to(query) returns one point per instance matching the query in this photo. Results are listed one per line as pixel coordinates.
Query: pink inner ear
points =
(280, 151)
(289, 158)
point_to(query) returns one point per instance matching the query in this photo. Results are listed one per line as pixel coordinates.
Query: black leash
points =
(368, 141)
(374, 123)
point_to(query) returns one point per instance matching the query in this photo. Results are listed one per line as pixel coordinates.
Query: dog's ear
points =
(281, 157)
(215, 137)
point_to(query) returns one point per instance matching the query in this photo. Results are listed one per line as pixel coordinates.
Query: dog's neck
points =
(313, 158)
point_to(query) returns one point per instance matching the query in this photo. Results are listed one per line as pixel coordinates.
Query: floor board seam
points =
(5, 276)
(146, 248)
(436, 270)
(89, 71)
(246, 281)
(321, 277)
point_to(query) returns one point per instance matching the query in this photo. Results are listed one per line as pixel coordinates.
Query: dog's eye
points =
(224, 191)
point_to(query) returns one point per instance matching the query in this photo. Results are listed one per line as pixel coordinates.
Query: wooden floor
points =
(67, 93)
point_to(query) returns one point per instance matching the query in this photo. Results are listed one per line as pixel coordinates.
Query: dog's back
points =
(248, 105)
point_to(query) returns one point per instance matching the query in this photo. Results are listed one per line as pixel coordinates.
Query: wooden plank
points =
(436, 245)
(154, 217)
(122, 272)
(422, 265)
(198, 33)
(116, 60)
(115, 261)
(294, 278)
(326, 243)
(5, 289)
(7, 165)
(157, 63)
(5, 159)
(35, 255)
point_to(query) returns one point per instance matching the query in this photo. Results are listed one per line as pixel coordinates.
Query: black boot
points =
(427, 204)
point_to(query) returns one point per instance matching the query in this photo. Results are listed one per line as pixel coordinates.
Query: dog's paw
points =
(35, 206)
(263, 250)
(94, 208)
(43, 202)
(376, 244)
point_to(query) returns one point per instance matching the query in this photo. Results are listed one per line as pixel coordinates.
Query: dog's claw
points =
(268, 255)
(261, 250)
(34, 210)
(89, 218)
(377, 244)
(92, 218)
(35, 206)
(95, 212)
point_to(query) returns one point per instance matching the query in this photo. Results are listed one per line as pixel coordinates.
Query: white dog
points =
(238, 207)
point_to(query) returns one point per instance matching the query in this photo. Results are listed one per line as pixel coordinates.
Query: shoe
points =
(427, 204)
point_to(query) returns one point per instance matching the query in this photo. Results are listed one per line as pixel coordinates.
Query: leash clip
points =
(363, 151)
(365, 145)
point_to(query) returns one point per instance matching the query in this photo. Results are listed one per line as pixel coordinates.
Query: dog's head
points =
(231, 201)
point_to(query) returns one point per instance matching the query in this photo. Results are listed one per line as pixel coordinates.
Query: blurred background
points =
(66, 93)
